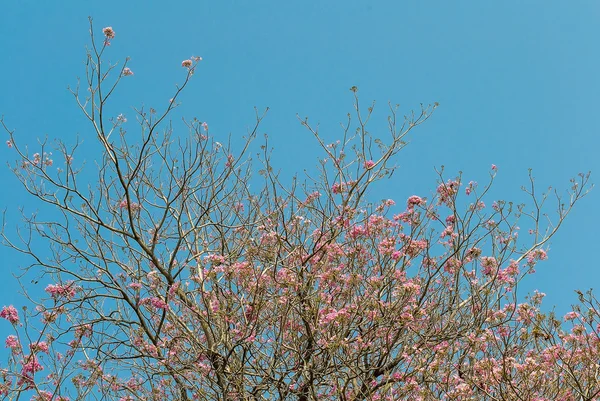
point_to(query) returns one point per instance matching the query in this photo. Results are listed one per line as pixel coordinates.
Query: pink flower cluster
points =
(489, 265)
(31, 365)
(43, 160)
(135, 286)
(40, 346)
(414, 201)
(158, 303)
(571, 316)
(414, 247)
(447, 191)
(10, 313)
(472, 185)
(12, 342)
(340, 187)
(67, 290)
(369, 164)
(135, 207)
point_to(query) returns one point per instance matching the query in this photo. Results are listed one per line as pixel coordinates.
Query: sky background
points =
(517, 84)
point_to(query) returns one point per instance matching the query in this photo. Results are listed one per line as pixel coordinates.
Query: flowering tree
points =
(177, 275)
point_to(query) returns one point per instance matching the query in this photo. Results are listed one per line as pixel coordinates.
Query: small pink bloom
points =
(9, 144)
(414, 201)
(109, 32)
(135, 207)
(159, 303)
(369, 164)
(126, 72)
(12, 342)
(67, 290)
(396, 255)
(186, 63)
(41, 346)
(10, 313)
(494, 168)
(489, 265)
(541, 254)
(31, 366)
(571, 316)
(205, 126)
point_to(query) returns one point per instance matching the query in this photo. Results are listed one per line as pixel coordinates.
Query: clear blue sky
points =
(518, 85)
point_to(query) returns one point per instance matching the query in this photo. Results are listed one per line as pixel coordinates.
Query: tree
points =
(172, 278)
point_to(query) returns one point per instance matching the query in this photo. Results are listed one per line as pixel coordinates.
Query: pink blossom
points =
(357, 231)
(494, 168)
(10, 313)
(126, 72)
(186, 63)
(414, 247)
(541, 254)
(447, 191)
(369, 164)
(31, 366)
(414, 201)
(134, 206)
(12, 342)
(159, 303)
(341, 187)
(109, 32)
(538, 254)
(571, 316)
(67, 290)
(40, 346)
(43, 396)
(173, 289)
(135, 286)
(489, 265)
(9, 144)
(205, 126)
(472, 185)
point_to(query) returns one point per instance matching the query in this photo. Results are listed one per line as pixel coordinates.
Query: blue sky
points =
(517, 84)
